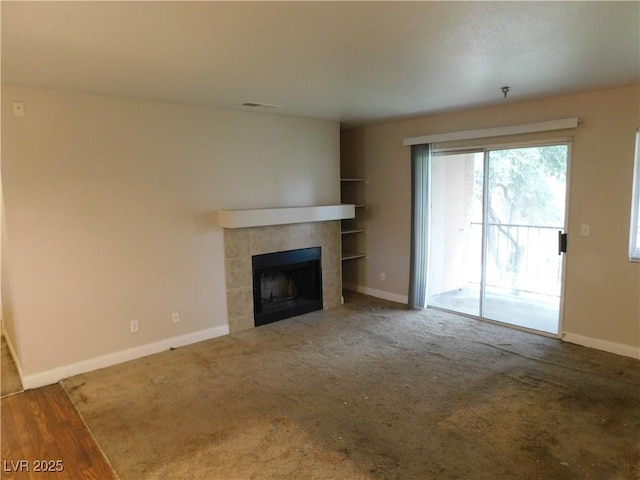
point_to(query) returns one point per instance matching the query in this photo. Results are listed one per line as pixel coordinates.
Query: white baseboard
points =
(392, 297)
(54, 375)
(611, 347)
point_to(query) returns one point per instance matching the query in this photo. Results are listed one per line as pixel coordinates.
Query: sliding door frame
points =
(485, 150)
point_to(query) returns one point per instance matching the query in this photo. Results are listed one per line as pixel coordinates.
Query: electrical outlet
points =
(134, 326)
(175, 317)
(382, 277)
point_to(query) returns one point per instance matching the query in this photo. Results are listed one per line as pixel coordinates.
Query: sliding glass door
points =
(455, 233)
(494, 222)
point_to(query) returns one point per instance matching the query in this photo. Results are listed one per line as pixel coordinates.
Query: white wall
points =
(110, 212)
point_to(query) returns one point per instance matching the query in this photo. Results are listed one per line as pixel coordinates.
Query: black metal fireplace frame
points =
(293, 258)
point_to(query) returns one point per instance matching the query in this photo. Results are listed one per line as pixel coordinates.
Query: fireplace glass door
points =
(286, 284)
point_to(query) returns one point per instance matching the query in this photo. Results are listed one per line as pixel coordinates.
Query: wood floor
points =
(43, 437)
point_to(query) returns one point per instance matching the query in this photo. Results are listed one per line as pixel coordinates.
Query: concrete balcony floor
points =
(519, 308)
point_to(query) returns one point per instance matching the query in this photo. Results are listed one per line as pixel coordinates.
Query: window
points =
(634, 233)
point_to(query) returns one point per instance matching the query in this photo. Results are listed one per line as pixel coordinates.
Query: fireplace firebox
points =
(286, 284)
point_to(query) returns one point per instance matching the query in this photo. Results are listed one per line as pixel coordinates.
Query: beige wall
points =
(602, 296)
(110, 212)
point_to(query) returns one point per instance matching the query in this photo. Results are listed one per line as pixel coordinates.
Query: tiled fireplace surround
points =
(240, 244)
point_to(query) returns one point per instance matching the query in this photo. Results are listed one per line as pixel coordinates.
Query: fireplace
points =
(242, 244)
(286, 284)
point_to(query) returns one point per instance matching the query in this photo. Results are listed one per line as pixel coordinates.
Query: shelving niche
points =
(352, 192)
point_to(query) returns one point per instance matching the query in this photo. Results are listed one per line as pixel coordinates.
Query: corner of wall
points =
(10, 329)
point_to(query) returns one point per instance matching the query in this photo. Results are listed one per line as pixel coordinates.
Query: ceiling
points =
(353, 62)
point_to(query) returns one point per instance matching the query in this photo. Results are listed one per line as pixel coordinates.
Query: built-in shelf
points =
(351, 192)
(351, 256)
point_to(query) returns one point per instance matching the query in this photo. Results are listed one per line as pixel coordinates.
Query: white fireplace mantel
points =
(279, 216)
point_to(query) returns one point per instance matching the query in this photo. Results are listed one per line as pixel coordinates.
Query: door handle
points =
(562, 242)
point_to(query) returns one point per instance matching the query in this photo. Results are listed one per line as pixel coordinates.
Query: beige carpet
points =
(369, 390)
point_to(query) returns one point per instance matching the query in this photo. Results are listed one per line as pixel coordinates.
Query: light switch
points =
(584, 230)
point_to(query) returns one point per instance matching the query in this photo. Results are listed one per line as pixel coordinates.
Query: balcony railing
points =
(521, 257)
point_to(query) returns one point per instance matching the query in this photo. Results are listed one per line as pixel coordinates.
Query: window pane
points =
(455, 238)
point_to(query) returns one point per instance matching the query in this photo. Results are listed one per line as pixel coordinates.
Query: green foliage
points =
(527, 185)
